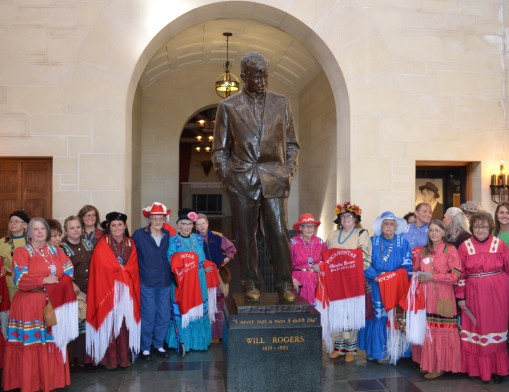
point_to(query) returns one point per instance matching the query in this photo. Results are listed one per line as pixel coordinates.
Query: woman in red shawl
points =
(113, 297)
(32, 360)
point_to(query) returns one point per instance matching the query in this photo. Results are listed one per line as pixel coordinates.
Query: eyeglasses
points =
(157, 219)
(92, 215)
(346, 216)
(481, 227)
(15, 222)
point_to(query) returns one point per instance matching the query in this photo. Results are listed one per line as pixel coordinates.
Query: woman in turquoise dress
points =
(390, 252)
(502, 222)
(193, 326)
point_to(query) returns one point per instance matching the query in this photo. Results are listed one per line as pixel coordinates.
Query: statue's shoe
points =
(252, 293)
(286, 293)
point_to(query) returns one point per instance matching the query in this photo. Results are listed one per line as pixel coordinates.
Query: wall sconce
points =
(499, 185)
(206, 166)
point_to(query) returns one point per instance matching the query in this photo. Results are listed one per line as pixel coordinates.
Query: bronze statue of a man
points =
(255, 155)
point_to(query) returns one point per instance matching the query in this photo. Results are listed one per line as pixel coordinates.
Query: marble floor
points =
(205, 371)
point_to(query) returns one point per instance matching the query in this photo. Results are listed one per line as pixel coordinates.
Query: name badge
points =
(426, 260)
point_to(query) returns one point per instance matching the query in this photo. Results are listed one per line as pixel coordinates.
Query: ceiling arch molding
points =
(134, 42)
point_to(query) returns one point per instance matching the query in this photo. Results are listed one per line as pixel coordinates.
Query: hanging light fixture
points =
(226, 83)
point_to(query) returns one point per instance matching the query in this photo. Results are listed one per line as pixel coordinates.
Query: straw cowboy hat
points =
(470, 206)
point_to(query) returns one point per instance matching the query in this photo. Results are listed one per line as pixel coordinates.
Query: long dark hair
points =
(505, 204)
(430, 248)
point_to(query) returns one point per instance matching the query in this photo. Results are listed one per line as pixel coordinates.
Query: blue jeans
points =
(155, 316)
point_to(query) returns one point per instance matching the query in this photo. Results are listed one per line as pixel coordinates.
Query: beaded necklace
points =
(89, 237)
(310, 251)
(188, 239)
(386, 257)
(45, 250)
(120, 253)
(347, 237)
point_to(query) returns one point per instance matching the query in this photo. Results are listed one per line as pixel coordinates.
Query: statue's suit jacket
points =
(255, 158)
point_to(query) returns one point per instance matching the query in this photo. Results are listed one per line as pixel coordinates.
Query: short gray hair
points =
(202, 216)
(28, 234)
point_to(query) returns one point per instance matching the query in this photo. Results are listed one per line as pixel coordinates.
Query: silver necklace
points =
(42, 253)
(120, 253)
(309, 250)
(188, 239)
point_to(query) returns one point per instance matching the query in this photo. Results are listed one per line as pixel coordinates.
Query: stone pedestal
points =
(272, 346)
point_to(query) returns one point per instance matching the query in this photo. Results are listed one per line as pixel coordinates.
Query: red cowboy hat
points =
(156, 209)
(304, 219)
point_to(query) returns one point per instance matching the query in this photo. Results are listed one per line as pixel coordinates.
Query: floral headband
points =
(347, 207)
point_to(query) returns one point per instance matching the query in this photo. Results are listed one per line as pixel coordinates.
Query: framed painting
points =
(431, 190)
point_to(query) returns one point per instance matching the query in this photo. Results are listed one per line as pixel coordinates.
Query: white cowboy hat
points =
(400, 222)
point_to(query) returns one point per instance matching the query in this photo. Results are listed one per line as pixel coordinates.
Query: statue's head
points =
(254, 72)
(253, 61)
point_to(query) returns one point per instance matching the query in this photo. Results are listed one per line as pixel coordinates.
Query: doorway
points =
(451, 182)
(25, 184)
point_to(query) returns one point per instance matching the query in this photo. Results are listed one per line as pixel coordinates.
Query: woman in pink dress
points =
(483, 297)
(440, 261)
(306, 254)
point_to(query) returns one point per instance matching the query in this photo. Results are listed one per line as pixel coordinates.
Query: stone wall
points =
(410, 80)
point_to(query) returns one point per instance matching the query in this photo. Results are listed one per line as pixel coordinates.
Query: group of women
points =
(122, 292)
(126, 292)
(460, 270)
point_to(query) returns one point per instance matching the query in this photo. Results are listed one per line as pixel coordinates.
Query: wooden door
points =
(25, 183)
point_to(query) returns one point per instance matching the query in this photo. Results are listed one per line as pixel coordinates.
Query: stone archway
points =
(307, 182)
(124, 71)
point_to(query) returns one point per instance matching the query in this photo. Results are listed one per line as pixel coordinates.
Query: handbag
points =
(225, 274)
(82, 306)
(50, 318)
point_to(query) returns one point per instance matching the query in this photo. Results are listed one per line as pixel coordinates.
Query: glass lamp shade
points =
(226, 84)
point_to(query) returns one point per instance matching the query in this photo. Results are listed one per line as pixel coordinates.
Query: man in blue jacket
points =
(152, 244)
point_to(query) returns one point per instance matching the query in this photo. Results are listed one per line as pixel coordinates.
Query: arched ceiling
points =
(290, 61)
